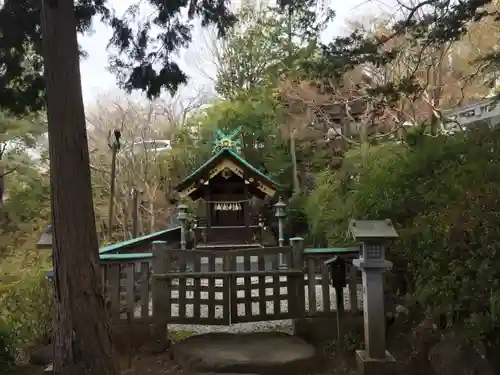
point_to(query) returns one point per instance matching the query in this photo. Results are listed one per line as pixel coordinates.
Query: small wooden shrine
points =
(228, 186)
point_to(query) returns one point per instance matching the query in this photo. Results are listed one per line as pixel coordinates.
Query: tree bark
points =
(82, 338)
(2, 171)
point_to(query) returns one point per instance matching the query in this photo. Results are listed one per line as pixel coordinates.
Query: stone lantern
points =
(182, 217)
(45, 240)
(374, 237)
(280, 214)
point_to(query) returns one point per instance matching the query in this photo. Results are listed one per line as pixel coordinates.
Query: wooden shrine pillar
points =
(209, 212)
(247, 212)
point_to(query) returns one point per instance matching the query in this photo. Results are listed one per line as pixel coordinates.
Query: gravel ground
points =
(281, 325)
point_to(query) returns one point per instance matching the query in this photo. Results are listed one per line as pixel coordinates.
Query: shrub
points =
(333, 202)
(27, 311)
(443, 195)
(7, 358)
(296, 219)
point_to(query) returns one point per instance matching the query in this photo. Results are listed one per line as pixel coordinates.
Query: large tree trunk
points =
(82, 339)
(1, 184)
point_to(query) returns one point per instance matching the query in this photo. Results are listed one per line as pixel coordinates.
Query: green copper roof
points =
(138, 240)
(234, 155)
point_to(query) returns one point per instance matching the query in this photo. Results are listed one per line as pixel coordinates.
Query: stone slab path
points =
(264, 353)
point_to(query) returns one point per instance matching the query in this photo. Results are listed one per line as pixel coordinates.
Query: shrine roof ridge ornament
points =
(223, 140)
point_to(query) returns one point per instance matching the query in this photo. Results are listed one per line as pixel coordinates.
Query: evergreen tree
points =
(39, 60)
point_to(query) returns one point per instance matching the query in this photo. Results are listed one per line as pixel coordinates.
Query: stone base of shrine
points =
(375, 366)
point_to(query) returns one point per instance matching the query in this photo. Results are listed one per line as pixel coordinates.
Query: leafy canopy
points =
(143, 47)
(427, 23)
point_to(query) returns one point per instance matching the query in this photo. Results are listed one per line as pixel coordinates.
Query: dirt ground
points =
(150, 364)
(333, 363)
(139, 365)
(162, 364)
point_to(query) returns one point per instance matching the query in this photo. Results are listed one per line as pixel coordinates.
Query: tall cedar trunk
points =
(295, 169)
(2, 178)
(82, 339)
(1, 184)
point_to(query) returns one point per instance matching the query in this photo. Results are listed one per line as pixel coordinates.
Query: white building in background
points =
(156, 145)
(487, 110)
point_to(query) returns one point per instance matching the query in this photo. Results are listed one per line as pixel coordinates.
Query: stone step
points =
(262, 353)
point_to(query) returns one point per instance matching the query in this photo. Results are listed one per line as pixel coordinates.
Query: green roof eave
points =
(138, 240)
(331, 250)
(237, 157)
(132, 256)
(307, 251)
(250, 166)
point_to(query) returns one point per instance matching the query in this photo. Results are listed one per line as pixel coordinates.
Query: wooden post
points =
(210, 212)
(262, 224)
(160, 292)
(297, 244)
(339, 295)
(353, 289)
(247, 214)
(113, 291)
(135, 213)
(297, 263)
(337, 267)
(115, 145)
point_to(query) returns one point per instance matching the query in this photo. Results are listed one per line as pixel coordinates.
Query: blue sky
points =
(96, 80)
